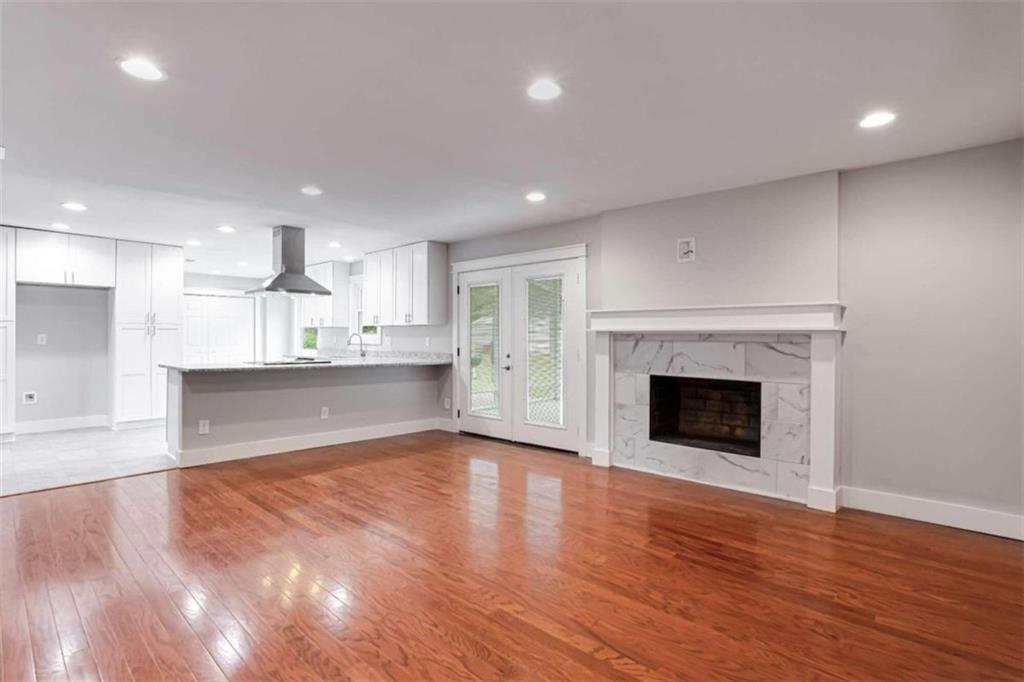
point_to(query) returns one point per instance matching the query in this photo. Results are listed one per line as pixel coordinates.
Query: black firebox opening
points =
(714, 414)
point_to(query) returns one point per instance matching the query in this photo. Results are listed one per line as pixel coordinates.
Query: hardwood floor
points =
(436, 556)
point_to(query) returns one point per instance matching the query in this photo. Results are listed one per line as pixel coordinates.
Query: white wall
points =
(931, 274)
(69, 373)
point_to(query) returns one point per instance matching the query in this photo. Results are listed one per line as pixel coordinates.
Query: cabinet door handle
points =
(72, 276)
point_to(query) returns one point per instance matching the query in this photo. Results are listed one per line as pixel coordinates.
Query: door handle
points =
(507, 368)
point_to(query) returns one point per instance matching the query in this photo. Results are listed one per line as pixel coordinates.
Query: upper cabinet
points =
(58, 258)
(326, 311)
(6, 274)
(150, 284)
(407, 285)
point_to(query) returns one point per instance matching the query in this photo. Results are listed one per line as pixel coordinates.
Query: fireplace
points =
(713, 414)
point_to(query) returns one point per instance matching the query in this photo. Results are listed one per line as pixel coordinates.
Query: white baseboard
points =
(445, 424)
(63, 424)
(822, 499)
(137, 424)
(259, 448)
(934, 511)
(599, 457)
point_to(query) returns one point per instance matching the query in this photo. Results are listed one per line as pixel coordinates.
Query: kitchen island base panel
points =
(258, 413)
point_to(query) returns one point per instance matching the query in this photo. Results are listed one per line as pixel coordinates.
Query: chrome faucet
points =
(362, 353)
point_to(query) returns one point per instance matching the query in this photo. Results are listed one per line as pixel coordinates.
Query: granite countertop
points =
(374, 359)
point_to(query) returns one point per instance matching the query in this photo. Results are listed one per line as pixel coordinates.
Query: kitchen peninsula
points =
(220, 412)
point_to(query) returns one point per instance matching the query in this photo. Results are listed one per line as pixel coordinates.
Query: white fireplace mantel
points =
(772, 318)
(822, 321)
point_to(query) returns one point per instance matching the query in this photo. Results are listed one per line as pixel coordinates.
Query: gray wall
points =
(770, 243)
(250, 406)
(931, 272)
(70, 372)
(926, 253)
(785, 236)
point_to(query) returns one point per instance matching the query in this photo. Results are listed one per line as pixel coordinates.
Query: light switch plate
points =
(204, 427)
(29, 398)
(40, 339)
(686, 250)
(324, 413)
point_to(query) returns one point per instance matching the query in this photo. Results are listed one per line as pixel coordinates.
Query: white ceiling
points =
(414, 121)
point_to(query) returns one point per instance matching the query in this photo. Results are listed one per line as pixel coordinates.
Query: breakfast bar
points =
(220, 412)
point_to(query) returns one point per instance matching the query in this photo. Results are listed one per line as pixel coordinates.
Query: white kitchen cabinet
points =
(42, 257)
(387, 288)
(132, 295)
(91, 261)
(168, 281)
(7, 288)
(149, 312)
(166, 347)
(133, 390)
(7, 390)
(7, 281)
(371, 289)
(412, 282)
(403, 285)
(59, 258)
(326, 311)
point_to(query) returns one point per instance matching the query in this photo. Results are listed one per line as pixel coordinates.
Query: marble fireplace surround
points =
(735, 338)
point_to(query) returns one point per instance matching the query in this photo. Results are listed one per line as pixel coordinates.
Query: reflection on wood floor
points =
(437, 556)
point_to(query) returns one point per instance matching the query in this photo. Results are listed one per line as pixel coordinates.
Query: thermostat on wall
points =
(686, 250)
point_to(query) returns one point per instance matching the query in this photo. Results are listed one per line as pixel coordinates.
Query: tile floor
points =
(49, 460)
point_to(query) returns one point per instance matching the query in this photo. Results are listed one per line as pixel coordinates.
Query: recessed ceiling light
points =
(216, 272)
(74, 206)
(193, 242)
(544, 89)
(334, 245)
(243, 264)
(876, 119)
(140, 67)
(59, 226)
(312, 191)
(226, 229)
(534, 197)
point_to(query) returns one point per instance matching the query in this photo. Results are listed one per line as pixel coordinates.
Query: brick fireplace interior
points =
(714, 414)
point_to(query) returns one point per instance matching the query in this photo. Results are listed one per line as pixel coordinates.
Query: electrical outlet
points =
(29, 398)
(324, 412)
(447, 403)
(204, 427)
(40, 339)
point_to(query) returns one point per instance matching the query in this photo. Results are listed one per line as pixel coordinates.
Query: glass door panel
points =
(484, 359)
(484, 350)
(544, 352)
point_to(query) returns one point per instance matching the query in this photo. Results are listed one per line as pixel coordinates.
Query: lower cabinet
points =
(7, 401)
(140, 384)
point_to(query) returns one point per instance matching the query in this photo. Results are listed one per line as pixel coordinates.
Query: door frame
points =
(577, 326)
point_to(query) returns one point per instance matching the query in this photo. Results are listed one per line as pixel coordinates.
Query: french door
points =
(521, 353)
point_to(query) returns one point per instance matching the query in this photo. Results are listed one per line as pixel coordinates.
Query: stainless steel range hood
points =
(290, 265)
